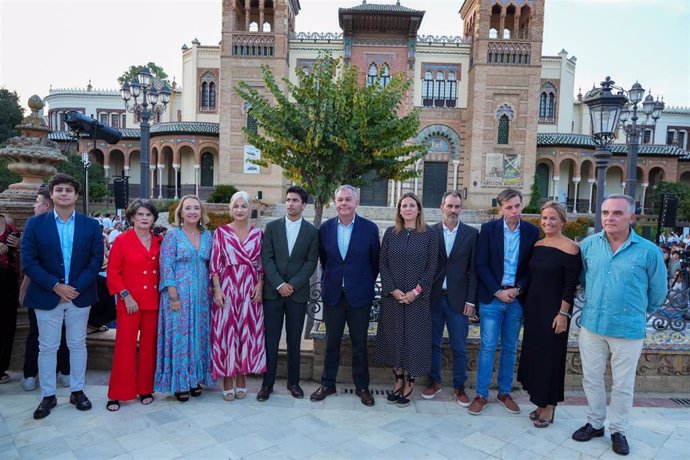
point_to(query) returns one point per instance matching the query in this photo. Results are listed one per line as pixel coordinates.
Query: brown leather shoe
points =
(507, 401)
(431, 390)
(366, 397)
(461, 397)
(477, 405)
(321, 393)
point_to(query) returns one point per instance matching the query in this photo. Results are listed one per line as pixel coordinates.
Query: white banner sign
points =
(251, 153)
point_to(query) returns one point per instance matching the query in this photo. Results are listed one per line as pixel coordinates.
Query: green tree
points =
(534, 198)
(134, 70)
(7, 177)
(327, 130)
(11, 114)
(98, 189)
(681, 190)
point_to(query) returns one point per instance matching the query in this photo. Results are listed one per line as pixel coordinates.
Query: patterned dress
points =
(237, 333)
(403, 337)
(183, 358)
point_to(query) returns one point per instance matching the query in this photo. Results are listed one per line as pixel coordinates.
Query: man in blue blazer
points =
(349, 253)
(503, 251)
(62, 253)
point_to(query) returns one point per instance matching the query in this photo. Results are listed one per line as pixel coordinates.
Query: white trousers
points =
(49, 332)
(594, 354)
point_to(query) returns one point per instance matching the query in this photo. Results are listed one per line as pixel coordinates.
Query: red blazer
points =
(132, 267)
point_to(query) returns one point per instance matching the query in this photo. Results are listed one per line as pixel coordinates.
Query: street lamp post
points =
(651, 109)
(144, 85)
(604, 110)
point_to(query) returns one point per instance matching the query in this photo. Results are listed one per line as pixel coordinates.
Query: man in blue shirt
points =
(62, 253)
(624, 279)
(503, 251)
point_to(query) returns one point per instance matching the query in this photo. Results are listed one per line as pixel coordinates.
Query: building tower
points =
(254, 33)
(503, 105)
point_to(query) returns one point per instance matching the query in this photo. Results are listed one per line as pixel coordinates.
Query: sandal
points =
(395, 395)
(113, 405)
(4, 377)
(543, 422)
(404, 399)
(240, 393)
(182, 396)
(195, 392)
(229, 395)
(146, 399)
(534, 415)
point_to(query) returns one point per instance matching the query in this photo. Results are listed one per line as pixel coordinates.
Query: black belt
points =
(444, 292)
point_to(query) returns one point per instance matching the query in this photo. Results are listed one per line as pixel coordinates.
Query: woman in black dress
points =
(408, 261)
(555, 269)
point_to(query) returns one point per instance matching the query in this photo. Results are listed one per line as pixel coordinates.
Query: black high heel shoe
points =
(183, 396)
(404, 399)
(395, 395)
(545, 423)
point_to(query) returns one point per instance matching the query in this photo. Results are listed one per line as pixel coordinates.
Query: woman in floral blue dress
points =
(183, 361)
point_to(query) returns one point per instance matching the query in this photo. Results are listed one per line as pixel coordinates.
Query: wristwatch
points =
(124, 293)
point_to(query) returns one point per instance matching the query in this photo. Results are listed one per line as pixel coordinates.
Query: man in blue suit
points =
(349, 253)
(503, 251)
(62, 253)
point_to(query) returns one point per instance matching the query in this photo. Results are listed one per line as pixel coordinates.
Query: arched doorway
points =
(206, 179)
(543, 178)
(435, 182)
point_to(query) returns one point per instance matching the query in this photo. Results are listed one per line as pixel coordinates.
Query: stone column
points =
(392, 184)
(417, 167)
(555, 187)
(106, 171)
(247, 15)
(152, 173)
(176, 167)
(456, 167)
(196, 178)
(161, 167)
(261, 16)
(644, 192)
(591, 181)
(576, 181)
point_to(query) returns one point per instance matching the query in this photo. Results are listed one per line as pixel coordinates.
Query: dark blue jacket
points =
(360, 267)
(43, 263)
(489, 258)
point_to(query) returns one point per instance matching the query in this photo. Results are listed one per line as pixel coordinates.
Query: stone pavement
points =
(338, 428)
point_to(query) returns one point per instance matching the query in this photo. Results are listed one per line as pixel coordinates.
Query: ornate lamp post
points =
(651, 109)
(143, 85)
(604, 111)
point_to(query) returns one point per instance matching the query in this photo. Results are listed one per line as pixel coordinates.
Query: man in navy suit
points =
(349, 252)
(62, 253)
(504, 248)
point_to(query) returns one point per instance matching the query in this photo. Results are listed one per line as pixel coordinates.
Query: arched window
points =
(547, 103)
(428, 89)
(208, 95)
(206, 170)
(451, 89)
(506, 33)
(503, 129)
(253, 26)
(439, 89)
(372, 74)
(493, 33)
(212, 96)
(267, 26)
(385, 75)
(204, 95)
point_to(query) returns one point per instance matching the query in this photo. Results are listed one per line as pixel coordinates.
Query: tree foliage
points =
(134, 70)
(11, 114)
(7, 177)
(327, 130)
(681, 190)
(534, 198)
(222, 193)
(98, 189)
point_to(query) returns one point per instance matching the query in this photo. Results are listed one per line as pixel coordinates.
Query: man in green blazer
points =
(290, 252)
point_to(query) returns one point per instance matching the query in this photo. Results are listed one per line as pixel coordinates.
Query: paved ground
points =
(339, 427)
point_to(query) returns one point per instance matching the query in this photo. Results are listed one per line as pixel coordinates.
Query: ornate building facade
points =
(495, 112)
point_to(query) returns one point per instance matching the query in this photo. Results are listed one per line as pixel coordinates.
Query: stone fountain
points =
(32, 156)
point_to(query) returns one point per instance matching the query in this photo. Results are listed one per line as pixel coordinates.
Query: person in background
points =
(43, 204)
(9, 291)
(409, 254)
(183, 359)
(237, 332)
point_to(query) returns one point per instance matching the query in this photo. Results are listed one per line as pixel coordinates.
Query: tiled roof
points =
(583, 140)
(185, 127)
(381, 8)
(60, 136)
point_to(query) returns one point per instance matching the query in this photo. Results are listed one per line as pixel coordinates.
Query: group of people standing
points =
(204, 307)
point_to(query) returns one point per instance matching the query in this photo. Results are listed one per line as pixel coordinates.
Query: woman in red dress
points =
(237, 318)
(133, 276)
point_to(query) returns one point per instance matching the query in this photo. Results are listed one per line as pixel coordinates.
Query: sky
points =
(64, 44)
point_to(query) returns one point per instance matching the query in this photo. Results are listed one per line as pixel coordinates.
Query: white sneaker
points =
(63, 380)
(29, 383)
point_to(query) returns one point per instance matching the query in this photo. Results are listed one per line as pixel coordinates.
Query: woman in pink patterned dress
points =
(237, 318)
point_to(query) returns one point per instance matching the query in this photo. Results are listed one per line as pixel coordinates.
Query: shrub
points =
(216, 219)
(222, 194)
(571, 229)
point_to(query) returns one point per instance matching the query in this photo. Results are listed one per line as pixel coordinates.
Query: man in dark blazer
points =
(349, 252)
(503, 251)
(62, 253)
(290, 253)
(453, 295)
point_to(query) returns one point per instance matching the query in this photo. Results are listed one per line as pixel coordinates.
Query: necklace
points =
(191, 232)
